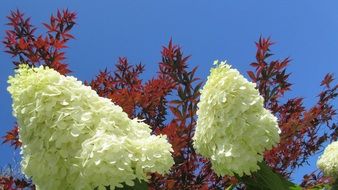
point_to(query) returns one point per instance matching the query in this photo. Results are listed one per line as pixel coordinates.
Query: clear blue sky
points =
(305, 30)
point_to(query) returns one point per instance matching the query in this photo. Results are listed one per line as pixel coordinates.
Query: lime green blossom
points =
(233, 128)
(74, 139)
(328, 162)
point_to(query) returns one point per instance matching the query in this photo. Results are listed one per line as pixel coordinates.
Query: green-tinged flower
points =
(328, 161)
(74, 139)
(233, 128)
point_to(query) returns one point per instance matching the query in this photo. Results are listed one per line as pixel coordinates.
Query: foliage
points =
(12, 137)
(12, 183)
(316, 181)
(266, 179)
(11, 180)
(21, 41)
(175, 90)
(300, 137)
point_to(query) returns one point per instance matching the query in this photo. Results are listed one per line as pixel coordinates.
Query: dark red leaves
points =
(299, 138)
(125, 88)
(271, 78)
(12, 137)
(23, 44)
(11, 183)
(61, 24)
(252, 75)
(315, 180)
(327, 80)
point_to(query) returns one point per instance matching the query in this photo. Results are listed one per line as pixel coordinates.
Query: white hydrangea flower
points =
(233, 128)
(74, 139)
(328, 161)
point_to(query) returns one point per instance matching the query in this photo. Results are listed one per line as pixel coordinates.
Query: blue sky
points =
(304, 30)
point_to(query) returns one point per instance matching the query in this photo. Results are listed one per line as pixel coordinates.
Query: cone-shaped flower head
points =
(328, 161)
(74, 139)
(233, 128)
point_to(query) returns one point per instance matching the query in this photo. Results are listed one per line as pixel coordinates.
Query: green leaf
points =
(231, 187)
(266, 179)
(323, 187)
(139, 185)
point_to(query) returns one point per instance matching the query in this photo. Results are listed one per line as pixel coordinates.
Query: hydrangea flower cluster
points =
(328, 162)
(74, 139)
(233, 128)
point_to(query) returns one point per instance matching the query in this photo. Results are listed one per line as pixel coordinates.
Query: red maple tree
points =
(168, 103)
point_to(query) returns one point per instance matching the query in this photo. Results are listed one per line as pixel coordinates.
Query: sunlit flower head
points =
(74, 139)
(233, 128)
(328, 161)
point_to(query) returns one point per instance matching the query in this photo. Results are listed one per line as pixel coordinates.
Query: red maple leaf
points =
(12, 137)
(327, 80)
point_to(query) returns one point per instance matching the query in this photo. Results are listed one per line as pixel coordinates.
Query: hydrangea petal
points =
(233, 128)
(74, 139)
(328, 161)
